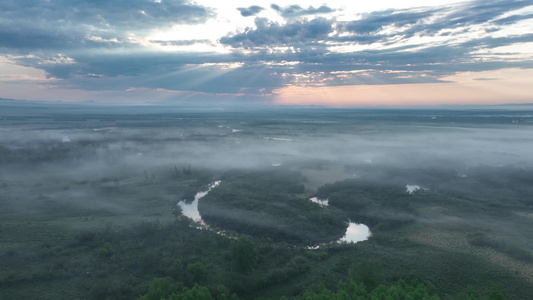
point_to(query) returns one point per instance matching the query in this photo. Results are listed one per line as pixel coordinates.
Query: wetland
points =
(115, 203)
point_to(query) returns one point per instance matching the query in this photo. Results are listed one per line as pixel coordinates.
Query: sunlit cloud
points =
(262, 47)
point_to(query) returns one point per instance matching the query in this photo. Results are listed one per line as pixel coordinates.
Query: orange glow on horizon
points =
(491, 87)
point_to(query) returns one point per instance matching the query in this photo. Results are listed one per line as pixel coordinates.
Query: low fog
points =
(105, 146)
(458, 181)
(64, 156)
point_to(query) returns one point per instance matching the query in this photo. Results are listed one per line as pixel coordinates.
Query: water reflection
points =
(321, 202)
(411, 188)
(190, 210)
(356, 233)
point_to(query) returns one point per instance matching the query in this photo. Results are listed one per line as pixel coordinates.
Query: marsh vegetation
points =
(89, 203)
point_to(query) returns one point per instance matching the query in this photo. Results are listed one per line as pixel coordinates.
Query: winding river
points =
(190, 210)
(354, 232)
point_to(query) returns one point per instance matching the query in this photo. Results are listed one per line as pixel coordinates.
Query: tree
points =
(243, 254)
(197, 292)
(370, 273)
(160, 288)
(197, 272)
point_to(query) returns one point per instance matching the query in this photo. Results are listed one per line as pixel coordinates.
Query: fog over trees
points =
(89, 202)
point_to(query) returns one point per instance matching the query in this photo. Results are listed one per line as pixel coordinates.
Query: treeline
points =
(167, 289)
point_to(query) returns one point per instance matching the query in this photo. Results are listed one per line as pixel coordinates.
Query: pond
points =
(411, 188)
(190, 210)
(321, 202)
(355, 233)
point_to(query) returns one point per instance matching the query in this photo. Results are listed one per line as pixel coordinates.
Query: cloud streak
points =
(298, 11)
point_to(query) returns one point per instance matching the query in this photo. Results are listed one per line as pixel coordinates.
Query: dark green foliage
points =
(167, 289)
(401, 290)
(378, 205)
(261, 204)
(150, 261)
(357, 291)
(196, 273)
(200, 183)
(176, 270)
(196, 292)
(243, 254)
(296, 188)
(369, 273)
(111, 262)
(85, 237)
(492, 293)
(161, 288)
(481, 240)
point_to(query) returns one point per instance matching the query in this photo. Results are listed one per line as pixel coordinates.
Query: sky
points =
(343, 53)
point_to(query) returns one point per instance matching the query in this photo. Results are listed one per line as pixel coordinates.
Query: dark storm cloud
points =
(297, 10)
(250, 11)
(58, 24)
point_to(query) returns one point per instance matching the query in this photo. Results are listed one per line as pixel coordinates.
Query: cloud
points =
(477, 12)
(207, 73)
(92, 45)
(298, 11)
(465, 16)
(310, 43)
(389, 27)
(250, 11)
(58, 24)
(269, 33)
(376, 21)
(385, 26)
(512, 19)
